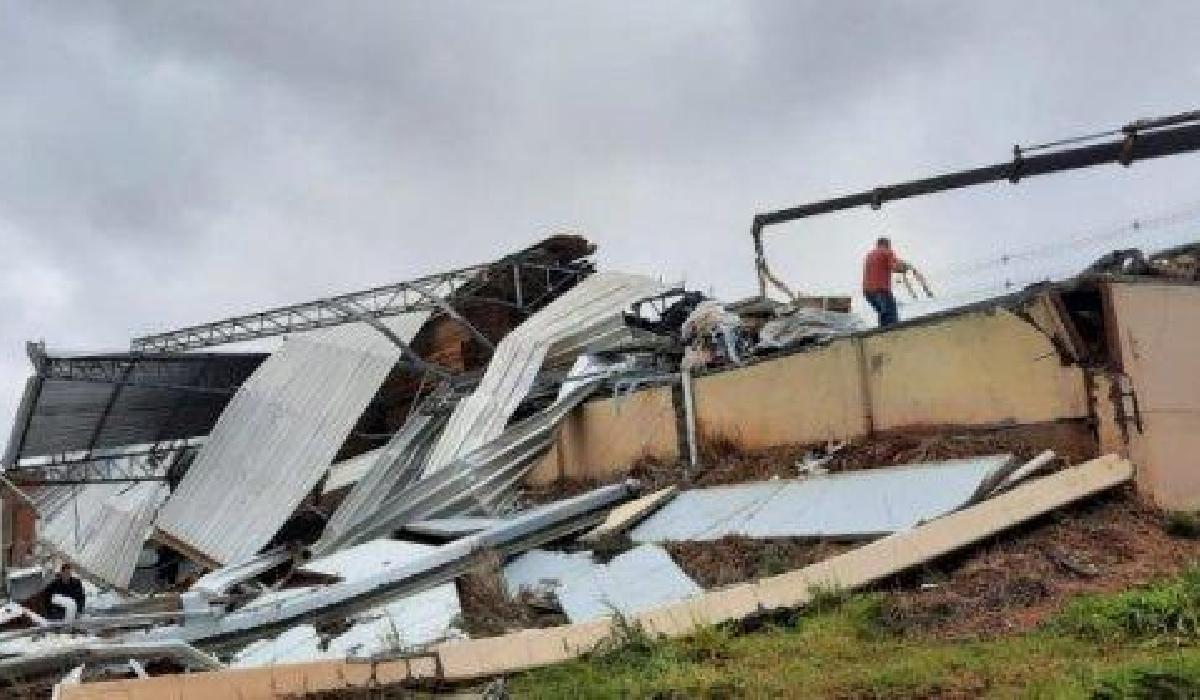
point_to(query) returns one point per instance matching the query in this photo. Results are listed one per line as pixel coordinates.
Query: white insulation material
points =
(867, 503)
(645, 577)
(102, 528)
(278, 436)
(587, 317)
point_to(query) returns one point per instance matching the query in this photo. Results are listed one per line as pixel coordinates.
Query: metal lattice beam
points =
(429, 293)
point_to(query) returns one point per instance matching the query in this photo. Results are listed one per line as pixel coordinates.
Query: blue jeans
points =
(884, 304)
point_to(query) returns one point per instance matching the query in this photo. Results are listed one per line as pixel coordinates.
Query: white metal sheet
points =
(102, 528)
(863, 503)
(640, 579)
(403, 624)
(278, 436)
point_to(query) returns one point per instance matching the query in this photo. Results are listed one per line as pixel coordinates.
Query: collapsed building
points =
(466, 475)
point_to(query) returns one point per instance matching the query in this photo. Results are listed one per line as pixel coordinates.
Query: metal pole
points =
(689, 413)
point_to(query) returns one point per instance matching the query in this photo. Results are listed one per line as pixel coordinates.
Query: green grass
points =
(1138, 644)
(1167, 612)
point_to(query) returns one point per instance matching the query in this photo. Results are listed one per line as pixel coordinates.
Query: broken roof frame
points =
(429, 293)
(80, 408)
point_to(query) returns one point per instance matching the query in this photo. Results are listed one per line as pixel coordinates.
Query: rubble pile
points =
(363, 497)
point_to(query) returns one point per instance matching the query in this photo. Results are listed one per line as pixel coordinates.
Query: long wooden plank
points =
(527, 649)
(626, 515)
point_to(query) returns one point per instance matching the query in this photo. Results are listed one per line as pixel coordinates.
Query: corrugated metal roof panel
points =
(279, 435)
(852, 504)
(101, 528)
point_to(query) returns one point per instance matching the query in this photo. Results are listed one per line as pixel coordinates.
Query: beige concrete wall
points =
(974, 369)
(978, 368)
(1158, 331)
(802, 398)
(602, 438)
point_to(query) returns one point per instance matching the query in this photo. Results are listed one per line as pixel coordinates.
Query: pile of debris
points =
(357, 495)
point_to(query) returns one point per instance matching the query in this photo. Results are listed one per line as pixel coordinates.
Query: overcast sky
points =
(171, 163)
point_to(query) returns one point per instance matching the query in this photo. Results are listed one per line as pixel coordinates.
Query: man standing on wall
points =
(881, 262)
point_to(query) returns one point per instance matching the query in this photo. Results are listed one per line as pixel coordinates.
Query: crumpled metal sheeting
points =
(297, 645)
(396, 465)
(278, 436)
(803, 324)
(587, 316)
(403, 624)
(865, 503)
(640, 579)
(477, 482)
(440, 565)
(91, 652)
(221, 581)
(101, 528)
(348, 471)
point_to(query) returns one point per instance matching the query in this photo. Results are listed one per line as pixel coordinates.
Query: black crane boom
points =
(1140, 140)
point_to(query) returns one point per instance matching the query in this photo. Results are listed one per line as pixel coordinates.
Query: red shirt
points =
(877, 271)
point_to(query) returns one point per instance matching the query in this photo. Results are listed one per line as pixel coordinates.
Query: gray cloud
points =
(169, 163)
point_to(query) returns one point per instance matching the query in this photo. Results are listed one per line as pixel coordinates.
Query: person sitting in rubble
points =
(65, 594)
(880, 265)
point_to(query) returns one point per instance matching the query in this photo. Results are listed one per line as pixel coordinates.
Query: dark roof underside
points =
(100, 402)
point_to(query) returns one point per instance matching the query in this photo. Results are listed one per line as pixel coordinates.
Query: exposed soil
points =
(1011, 583)
(488, 610)
(1020, 578)
(1072, 442)
(735, 559)
(725, 463)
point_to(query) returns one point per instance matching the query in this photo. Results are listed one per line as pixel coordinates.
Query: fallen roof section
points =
(858, 504)
(440, 565)
(278, 436)
(390, 496)
(101, 528)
